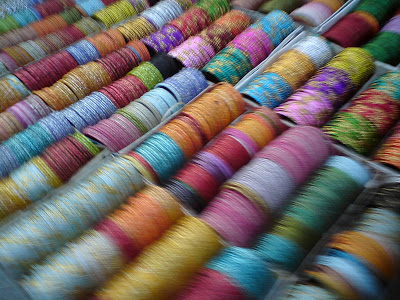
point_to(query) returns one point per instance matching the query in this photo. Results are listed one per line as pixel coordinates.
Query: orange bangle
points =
(181, 138)
(370, 19)
(256, 129)
(193, 135)
(335, 282)
(366, 247)
(225, 87)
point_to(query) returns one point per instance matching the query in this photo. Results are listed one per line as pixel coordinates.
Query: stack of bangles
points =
(51, 169)
(188, 24)
(315, 12)
(197, 51)
(242, 273)
(385, 46)
(23, 17)
(369, 116)
(88, 111)
(249, 48)
(292, 69)
(37, 76)
(317, 101)
(26, 52)
(366, 19)
(359, 262)
(119, 11)
(199, 180)
(131, 122)
(40, 28)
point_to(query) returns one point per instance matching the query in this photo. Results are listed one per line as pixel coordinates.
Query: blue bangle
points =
(246, 269)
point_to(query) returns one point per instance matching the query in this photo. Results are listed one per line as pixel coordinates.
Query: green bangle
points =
(148, 74)
(86, 143)
(133, 119)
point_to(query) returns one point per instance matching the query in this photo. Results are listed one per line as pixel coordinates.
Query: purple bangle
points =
(27, 107)
(225, 169)
(255, 42)
(393, 25)
(38, 105)
(173, 36)
(316, 102)
(194, 53)
(165, 39)
(244, 138)
(211, 168)
(8, 61)
(20, 115)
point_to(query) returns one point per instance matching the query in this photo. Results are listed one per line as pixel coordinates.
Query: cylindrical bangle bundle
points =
(153, 19)
(91, 77)
(89, 111)
(19, 19)
(197, 51)
(240, 212)
(119, 11)
(249, 200)
(249, 48)
(235, 273)
(46, 71)
(51, 169)
(12, 90)
(171, 260)
(65, 216)
(113, 242)
(358, 262)
(131, 122)
(160, 156)
(317, 101)
(289, 72)
(181, 28)
(215, 8)
(89, 7)
(314, 13)
(385, 46)
(40, 47)
(167, 38)
(285, 5)
(247, 273)
(199, 180)
(370, 116)
(389, 152)
(40, 28)
(22, 114)
(311, 211)
(365, 21)
(136, 29)
(191, 22)
(163, 12)
(81, 53)
(32, 141)
(23, 17)
(48, 8)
